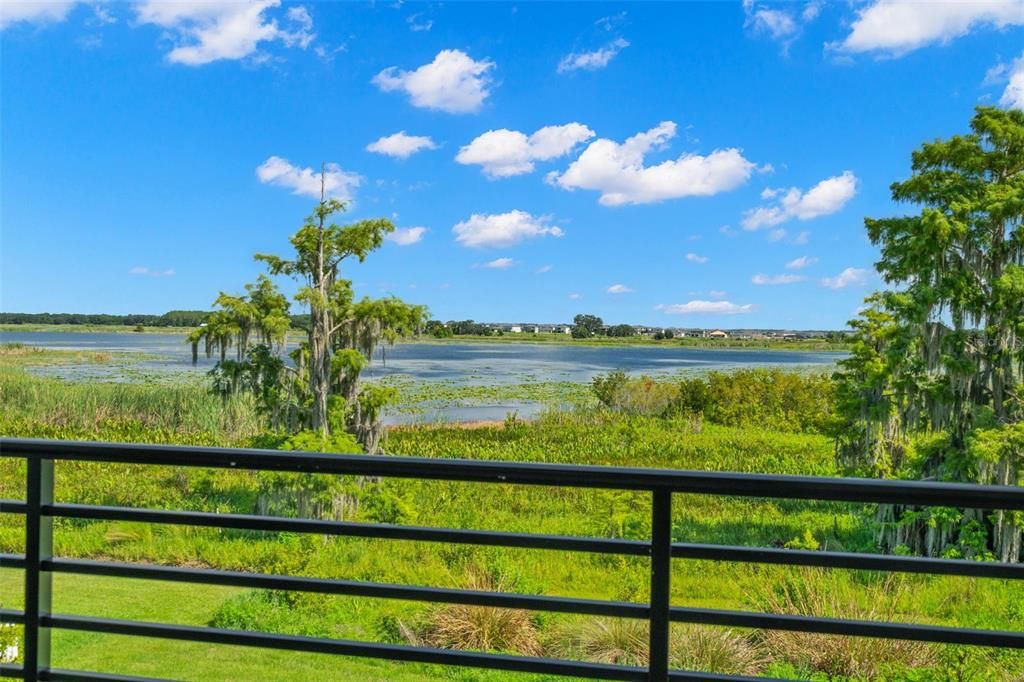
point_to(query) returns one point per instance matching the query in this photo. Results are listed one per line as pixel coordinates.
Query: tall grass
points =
(57, 409)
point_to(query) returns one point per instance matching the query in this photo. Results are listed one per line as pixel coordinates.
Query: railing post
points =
(661, 574)
(38, 583)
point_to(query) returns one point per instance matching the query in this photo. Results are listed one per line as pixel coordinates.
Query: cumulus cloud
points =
(407, 236)
(897, 27)
(500, 264)
(846, 278)
(698, 307)
(618, 171)
(211, 30)
(826, 197)
(34, 11)
(453, 82)
(147, 272)
(504, 153)
(1013, 95)
(800, 263)
(400, 145)
(773, 280)
(338, 183)
(500, 230)
(592, 61)
(619, 289)
(694, 258)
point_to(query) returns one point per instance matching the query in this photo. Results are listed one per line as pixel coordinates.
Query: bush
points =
(769, 399)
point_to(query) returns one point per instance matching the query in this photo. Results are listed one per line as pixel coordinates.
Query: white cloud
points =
(782, 24)
(575, 297)
(694, 258)
(502, 229)
(826, 197)
(707, 308)
(141, 270)
(619, 289)
(779, 24)
(592, 61)
(846, 278)
(34, 11)
(504, 153)
(416, 25)
(544, 269)
(338, 183)
(777, 235)
(500, 264)
(407, 236)
(897, 27)
(1013, 96)
(205, 31)
(801, 262)
(453, 82)
(400, 145)
(766, 280)
(617, 170)
(802, 238)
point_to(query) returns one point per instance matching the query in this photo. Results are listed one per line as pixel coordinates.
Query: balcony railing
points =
(39, 563)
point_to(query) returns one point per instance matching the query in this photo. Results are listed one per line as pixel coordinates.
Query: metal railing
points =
(39, 563)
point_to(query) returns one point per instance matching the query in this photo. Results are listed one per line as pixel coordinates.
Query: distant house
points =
(516, 329)
(718, 334)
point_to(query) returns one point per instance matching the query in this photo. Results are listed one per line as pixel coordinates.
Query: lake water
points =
(168, 357)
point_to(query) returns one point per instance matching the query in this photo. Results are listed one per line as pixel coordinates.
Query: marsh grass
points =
(814, 592)
(52, 408)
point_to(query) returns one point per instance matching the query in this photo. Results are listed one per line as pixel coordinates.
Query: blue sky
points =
(672, 164)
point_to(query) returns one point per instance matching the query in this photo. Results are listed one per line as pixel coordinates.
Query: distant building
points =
(516, 329)
(718, 334)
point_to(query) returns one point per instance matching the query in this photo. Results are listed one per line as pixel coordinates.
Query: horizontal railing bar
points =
(565, 475)
(62, 675)
(350, 588)
(853, 628)
(344, 528)
(11, 670)
(12, 616)
(12, 561)
(12, 506)
(867, 562)
(392, 652)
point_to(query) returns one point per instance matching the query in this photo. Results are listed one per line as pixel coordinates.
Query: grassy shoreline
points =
(811, 345)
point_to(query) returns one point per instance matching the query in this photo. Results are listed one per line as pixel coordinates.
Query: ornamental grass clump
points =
(482, 628)
(818, 593)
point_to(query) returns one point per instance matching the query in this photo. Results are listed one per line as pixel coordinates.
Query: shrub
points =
(607, 387)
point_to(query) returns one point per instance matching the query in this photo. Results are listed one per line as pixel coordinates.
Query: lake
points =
(167, 357)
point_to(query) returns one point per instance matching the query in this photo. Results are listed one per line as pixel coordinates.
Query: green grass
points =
(32, 406)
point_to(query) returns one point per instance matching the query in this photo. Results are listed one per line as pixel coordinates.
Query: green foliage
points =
(585, 326)
(944, 348)
(762, 397)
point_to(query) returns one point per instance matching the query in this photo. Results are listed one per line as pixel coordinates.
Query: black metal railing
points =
(39, 564)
